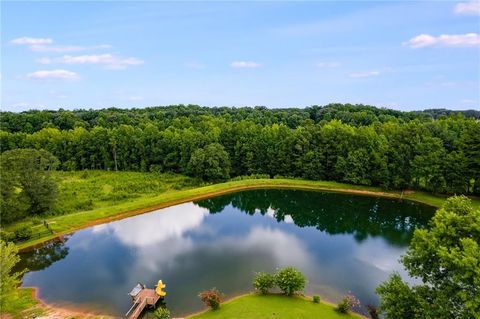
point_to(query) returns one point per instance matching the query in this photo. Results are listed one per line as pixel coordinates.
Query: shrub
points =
(347, 303)
(290, 280)
(36, 220)
(343, 306)
(373, 312)
(162, 313)
(23, 233)
(316, 299)
(211, 298)
(263, 282)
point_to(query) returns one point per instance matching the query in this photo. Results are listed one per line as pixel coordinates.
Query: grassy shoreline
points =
(252, 305)
(66, 224)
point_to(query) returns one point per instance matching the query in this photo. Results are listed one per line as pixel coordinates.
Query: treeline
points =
(394, 150)
(356, 115)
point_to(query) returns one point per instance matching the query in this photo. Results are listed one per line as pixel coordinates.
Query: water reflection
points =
(333, 213)
(344, 243)
(42, 257)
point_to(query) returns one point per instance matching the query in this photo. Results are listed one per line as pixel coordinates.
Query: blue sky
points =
(405, 55)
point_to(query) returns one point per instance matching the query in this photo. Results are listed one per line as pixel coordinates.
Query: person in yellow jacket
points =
(159, 290)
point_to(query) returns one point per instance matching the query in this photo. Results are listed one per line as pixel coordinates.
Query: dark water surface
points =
(341, 242)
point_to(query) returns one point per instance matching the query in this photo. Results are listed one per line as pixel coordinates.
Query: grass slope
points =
(24, 305)
(92, 197)
(272, 307)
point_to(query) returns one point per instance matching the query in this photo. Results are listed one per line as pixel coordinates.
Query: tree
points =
(263, 282)
(446, 258)
(26, 184)
(210, 163)
(290, 280)
(9, 280)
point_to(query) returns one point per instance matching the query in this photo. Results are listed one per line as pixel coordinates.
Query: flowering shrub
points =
(347, 303)
(263, 282)
(290, 280)
(211, 298)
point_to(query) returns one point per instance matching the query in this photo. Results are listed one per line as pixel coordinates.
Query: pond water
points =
(341, 242)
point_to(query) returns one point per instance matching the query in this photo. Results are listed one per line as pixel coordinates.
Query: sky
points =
(405, 55)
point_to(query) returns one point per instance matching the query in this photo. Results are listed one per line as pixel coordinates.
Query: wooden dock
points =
(146, 297)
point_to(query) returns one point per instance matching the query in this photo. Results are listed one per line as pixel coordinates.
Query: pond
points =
(341, 242)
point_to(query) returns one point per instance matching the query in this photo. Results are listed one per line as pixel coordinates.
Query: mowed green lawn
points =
(273, 307)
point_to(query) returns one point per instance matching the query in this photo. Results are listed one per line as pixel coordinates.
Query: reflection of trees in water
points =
(42, 257)
(333, 213)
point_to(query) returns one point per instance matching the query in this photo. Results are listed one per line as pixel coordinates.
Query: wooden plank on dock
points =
(145, 297)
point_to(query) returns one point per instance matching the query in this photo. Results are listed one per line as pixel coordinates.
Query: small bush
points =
(211, 298)
(316, 299)
(23, 233)
(373, 312)
(343, 306)
(162, 313)
(36, 220)
(348, 302)
(263, 282)
(290, 280)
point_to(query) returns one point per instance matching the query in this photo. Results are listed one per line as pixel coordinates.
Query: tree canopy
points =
(9, 280)
(446, 258)
(27, 187)
(435, 150)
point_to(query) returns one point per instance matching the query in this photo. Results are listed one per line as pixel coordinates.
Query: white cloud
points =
(45, 45)
(468, 8)
(156, 227)
(110, 61)
(53, 74)
(366, 74)
(328, 65)
(31, 41)
(245, 65)
(67, 48)
(444, 40)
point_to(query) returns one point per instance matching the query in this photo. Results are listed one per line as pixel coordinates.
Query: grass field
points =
(272, 307)
(92, 197)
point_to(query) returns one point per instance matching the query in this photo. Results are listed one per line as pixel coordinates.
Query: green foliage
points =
(316, 299)
(86, 190)
(263, 282)
(161, 313)
(343, 306)
(23, 233)
(211, 298)
(27, 187)
(6, 235)
(345, 143)
(210, 163)
(446, 257)
(347, 303)
(9, 280)
(290, 280)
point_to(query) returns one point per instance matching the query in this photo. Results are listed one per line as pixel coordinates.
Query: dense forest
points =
(435, 150)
